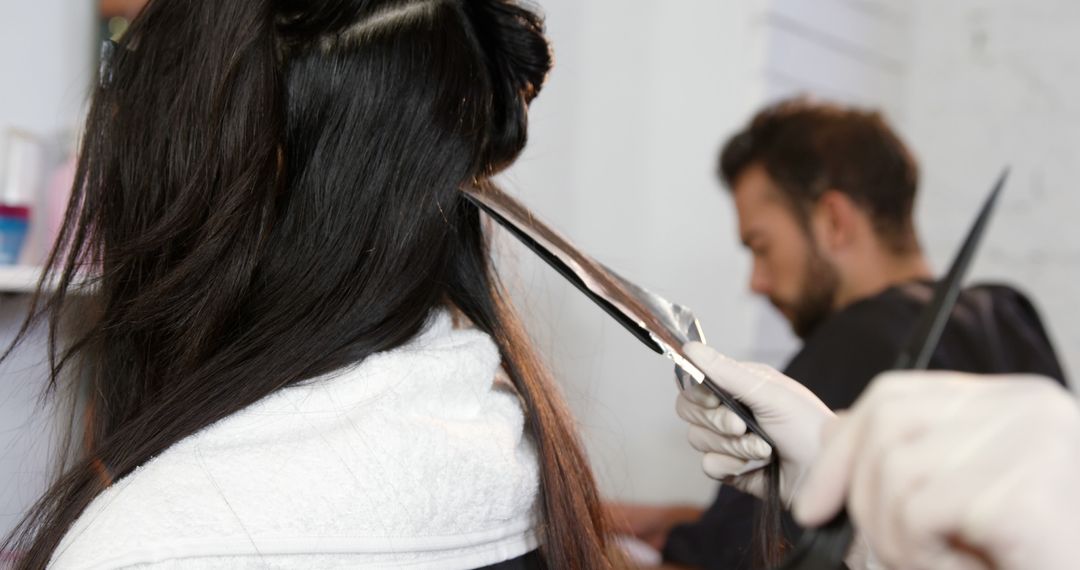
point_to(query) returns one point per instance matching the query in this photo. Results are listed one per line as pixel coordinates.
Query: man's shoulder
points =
(994, 328)
(852, 346)
(880, 321)
(1004, 294)
(1005, 320)
(888, 316)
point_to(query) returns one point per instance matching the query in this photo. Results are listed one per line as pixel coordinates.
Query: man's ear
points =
(836, 220)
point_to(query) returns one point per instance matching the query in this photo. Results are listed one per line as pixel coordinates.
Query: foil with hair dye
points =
(663, 326)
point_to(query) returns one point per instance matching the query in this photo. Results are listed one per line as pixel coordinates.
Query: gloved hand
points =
(791, 415)
(946, 470)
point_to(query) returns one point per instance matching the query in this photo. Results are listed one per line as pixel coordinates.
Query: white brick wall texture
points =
(993, 83)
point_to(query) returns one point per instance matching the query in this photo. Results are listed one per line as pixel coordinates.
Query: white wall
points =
(46, 59)
(995, 83)
(25, 426)
(851, 51)
(621, 159)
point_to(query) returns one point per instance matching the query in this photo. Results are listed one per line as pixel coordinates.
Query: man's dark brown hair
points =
(808, 148)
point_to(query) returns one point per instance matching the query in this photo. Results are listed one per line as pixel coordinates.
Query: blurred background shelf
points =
(19, 278)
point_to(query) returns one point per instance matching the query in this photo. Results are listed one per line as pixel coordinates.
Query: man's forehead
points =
(757, 202)
(755, 188)
(765, 213)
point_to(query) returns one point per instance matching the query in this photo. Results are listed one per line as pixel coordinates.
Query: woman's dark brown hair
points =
(267, 191)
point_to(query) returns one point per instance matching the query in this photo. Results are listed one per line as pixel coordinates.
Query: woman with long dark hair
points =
(291, 349)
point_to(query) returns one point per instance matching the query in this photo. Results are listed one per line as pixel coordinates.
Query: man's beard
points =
(817, 298)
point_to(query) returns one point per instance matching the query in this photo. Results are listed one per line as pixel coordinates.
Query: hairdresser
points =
(939, 470)
(824, 196)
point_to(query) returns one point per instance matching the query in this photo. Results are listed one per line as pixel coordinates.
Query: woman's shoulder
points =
(415, 454)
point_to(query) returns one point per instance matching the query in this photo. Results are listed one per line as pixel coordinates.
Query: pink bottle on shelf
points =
(54, 205)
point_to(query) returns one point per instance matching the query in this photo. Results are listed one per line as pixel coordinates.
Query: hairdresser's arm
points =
(650, 524)
(944, 470)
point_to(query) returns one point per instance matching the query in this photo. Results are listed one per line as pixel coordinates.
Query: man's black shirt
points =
(993, 329)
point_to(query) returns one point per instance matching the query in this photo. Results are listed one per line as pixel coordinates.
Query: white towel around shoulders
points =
(415, 458)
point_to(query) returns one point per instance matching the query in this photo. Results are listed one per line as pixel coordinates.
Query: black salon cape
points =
(992, 329)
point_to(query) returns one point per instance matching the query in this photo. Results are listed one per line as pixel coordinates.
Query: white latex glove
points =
(791, 415)
(951, 471)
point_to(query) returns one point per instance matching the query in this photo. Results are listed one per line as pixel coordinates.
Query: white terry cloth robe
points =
(415, 458)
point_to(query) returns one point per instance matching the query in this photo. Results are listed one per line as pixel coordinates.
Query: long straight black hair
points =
(267, 191)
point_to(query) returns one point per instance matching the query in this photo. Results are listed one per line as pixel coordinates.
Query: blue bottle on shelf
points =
(14, 225)
(21, 161)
